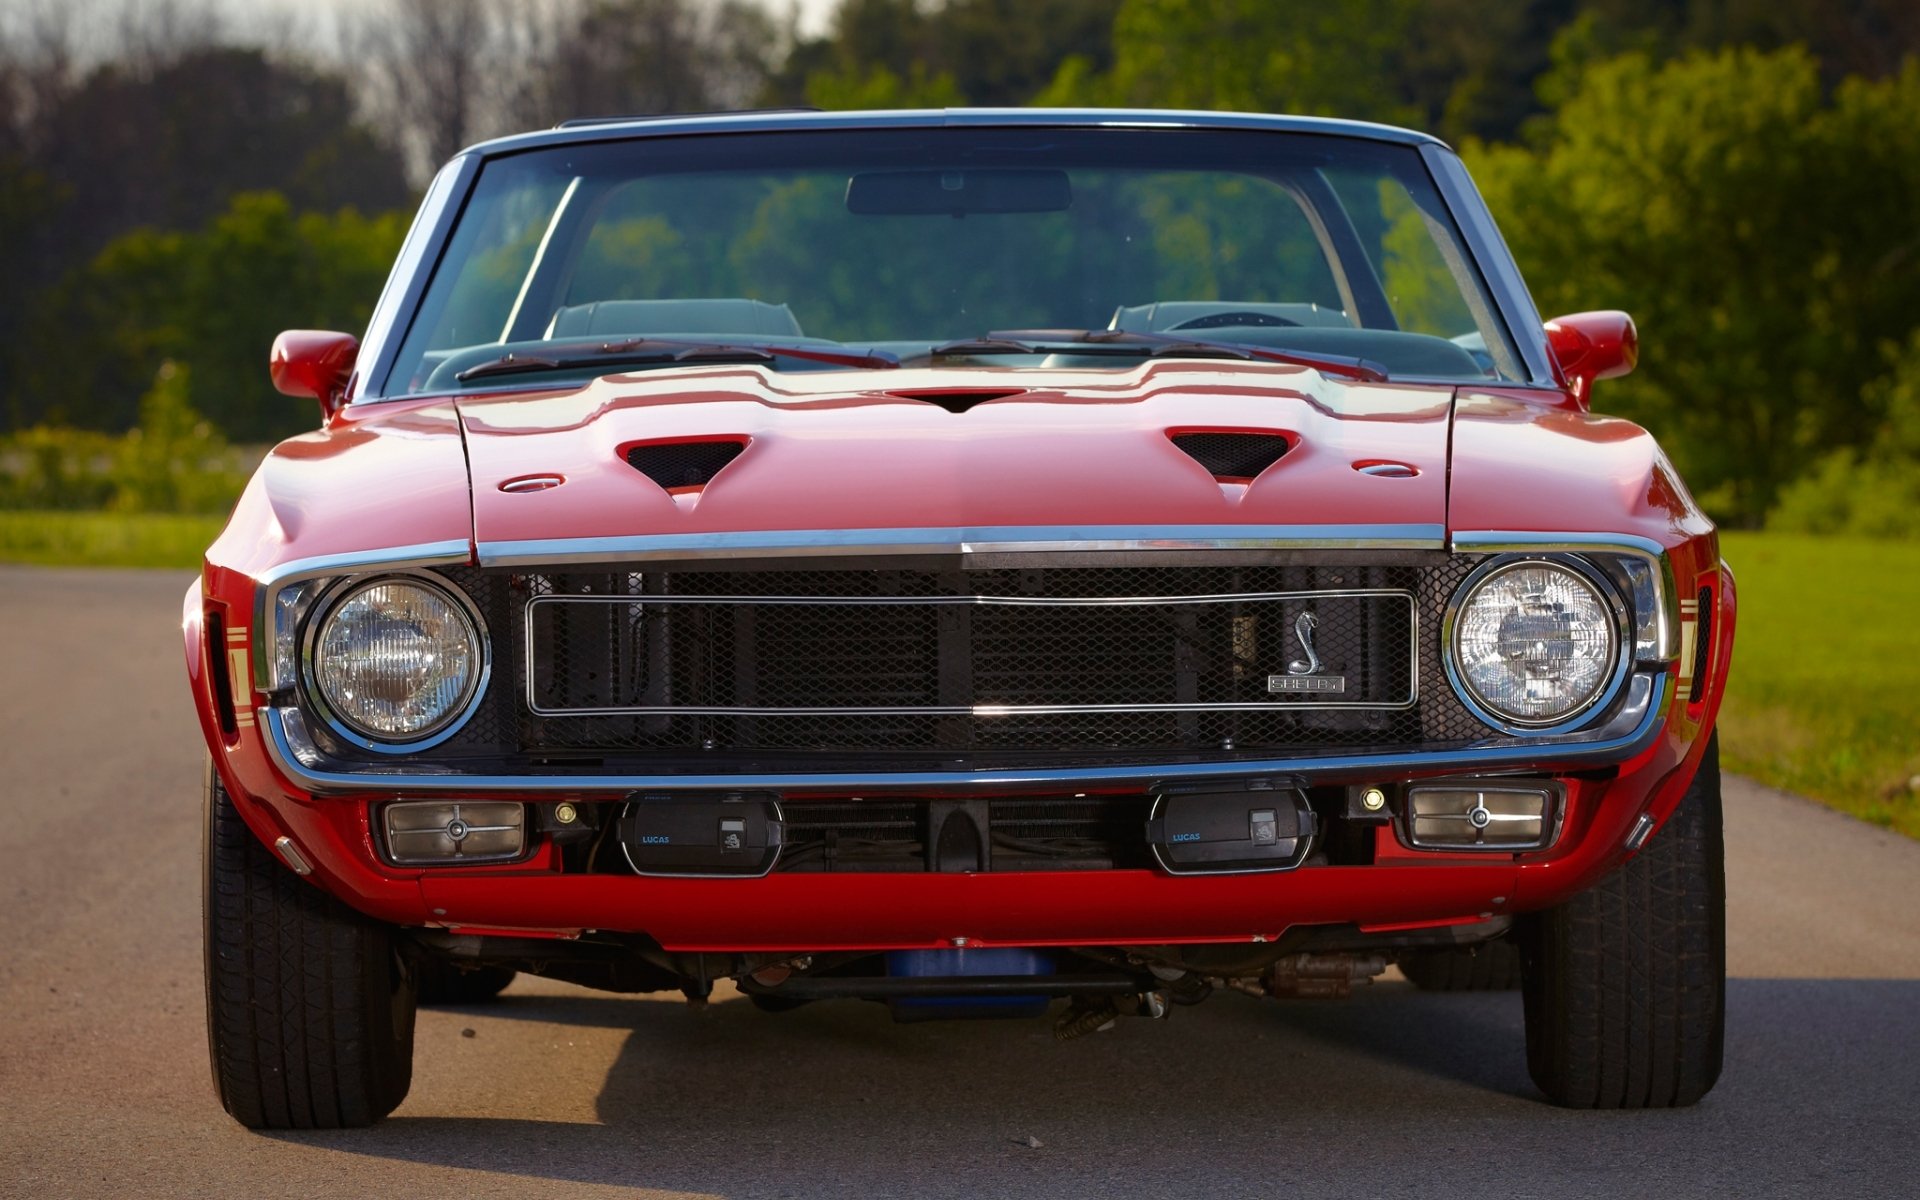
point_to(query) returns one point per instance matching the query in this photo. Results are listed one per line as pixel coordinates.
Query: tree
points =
(1875, 490)
(1291, 56)
(448, 73)
(159, 140)
(1763, 235)
(909, 53)
(656, 56)
(165, 149)
(210, 301)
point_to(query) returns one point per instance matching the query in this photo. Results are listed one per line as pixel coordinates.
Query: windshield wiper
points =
(1154, 345)
(644, 351)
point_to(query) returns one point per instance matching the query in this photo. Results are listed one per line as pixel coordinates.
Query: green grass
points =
(1825, 696)
(100, 539)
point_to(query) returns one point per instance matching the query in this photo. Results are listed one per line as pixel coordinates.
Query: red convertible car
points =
(992, 563)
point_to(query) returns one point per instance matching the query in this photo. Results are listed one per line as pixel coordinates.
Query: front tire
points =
(309, 1004)
(1625, 984)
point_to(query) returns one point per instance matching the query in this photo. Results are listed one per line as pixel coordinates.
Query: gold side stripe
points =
(237, 677)
(1688, 628)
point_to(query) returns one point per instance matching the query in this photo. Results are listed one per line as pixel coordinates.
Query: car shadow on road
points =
(836, 1099)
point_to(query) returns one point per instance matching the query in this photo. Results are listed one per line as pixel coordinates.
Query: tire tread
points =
(1625, 983)
(304, 1027)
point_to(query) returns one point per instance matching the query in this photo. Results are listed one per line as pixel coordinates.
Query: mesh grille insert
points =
(1233, 455)
(683, 464)
(723, 658)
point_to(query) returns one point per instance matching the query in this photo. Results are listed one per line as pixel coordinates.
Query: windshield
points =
(860, 249)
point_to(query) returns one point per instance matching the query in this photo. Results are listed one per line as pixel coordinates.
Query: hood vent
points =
(683, 466)
(1233, 457)
(956, 401)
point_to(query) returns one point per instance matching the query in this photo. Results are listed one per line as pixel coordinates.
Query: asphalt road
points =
(558, 1091)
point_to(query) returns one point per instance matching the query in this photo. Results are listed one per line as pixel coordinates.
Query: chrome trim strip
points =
(290, 854)
(1642, 829)
(452, 553)
(1483, 540)
(1010, 601)
(798, 543)
(963, 710)
(1487, 250)
(672, 125)
(955, 710)
(1628, 734)
(419, 258)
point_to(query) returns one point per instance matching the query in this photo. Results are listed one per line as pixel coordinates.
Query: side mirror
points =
(1593, 345)
(314, 364)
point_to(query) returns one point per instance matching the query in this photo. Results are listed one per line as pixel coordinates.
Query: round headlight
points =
(1534, 643)
(397, 659)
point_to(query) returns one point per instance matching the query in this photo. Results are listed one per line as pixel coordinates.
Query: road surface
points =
(558, 1091)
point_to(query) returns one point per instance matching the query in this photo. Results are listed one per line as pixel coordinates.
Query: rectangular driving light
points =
(421, 832)
(1505, 817)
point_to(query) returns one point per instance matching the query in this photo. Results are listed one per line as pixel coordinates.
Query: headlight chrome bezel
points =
(1626, 633)
(321, 609)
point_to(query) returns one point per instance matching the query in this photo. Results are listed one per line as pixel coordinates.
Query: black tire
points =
(1625, 984)
(1485, 967)
(309, 1004)
(444, 982)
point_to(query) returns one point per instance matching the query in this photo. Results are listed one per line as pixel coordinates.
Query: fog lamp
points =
(467, 831)
(1477, 816)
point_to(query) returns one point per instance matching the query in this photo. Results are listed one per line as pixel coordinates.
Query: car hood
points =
(1054, 450)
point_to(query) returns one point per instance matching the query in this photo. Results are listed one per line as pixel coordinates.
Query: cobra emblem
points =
(1303, 629)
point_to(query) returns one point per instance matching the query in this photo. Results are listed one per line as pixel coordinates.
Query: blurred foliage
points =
(1742, 175)
(1762, 233)
(212, 300)
(173, 461)
(156, 144)
(1253, 56)
(911, 54)
(1873, 491)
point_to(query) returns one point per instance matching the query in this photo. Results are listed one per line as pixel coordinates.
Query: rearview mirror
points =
(1593, 345)
(314, 364)
(957, 193)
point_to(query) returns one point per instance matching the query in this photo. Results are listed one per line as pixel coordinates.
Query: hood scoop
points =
(685, 466)
(956, 400)
(1233, 457)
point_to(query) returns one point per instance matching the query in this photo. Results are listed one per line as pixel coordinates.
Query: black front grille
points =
(747, 664)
